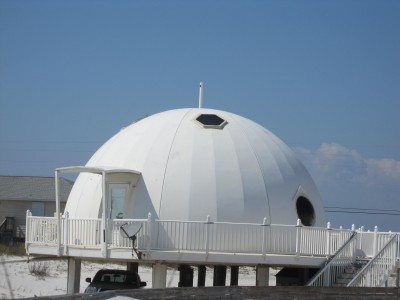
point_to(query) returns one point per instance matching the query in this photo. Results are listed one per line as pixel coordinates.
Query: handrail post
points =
(207, 241)
(327, 278)
(298, 228)
(149, 235)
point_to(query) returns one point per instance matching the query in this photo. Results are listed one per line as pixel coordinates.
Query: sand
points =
(16, 280)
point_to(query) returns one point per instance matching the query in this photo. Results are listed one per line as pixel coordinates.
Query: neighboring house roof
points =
(33, 188)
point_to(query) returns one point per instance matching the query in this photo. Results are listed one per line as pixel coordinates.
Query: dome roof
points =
(198, 162)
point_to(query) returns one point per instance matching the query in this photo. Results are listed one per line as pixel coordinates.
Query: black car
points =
(105, 280)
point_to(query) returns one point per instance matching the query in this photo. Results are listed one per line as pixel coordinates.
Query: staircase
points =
(344, 270)
(378, 270)
(349, 273)
(336, 265)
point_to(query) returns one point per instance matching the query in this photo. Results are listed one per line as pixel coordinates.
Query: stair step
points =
(339, 284)
(350, 270)
(343, 280)
(347, 276)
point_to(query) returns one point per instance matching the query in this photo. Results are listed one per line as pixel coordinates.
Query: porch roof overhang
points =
(97, 170)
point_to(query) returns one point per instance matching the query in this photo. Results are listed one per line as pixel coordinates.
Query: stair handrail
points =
(325, 275)
(379, 268)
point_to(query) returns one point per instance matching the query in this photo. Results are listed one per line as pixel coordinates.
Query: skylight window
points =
(211, 121)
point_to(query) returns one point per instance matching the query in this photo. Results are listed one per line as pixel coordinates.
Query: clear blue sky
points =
(324, 76)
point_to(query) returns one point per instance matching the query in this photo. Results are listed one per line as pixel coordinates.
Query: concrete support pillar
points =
(219, 275)
(132, 267)
(185, 276)
(74, 275)
(201, 276)
(262, 275)
(398, 278)
(234, 275)
(159, 276)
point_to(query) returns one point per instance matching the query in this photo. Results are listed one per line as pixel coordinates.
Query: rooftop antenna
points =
(201, 95)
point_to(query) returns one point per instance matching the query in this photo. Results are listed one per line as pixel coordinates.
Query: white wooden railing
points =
(41, 230)
(372, 242)
(119, 241)
(340, 247)
(248, 238)
(80, 232)
(376, 271)
(172, 235)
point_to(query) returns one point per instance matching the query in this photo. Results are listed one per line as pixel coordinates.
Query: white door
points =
(117, 196)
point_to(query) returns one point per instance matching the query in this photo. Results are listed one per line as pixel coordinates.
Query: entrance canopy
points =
(113, 174)
(95, 170)
(107, 173)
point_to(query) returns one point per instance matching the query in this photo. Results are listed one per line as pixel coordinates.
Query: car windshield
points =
(116, 278)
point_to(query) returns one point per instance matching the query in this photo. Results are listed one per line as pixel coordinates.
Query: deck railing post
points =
(57, 185)
(207, 241)
(66, 232)
(28, 229)
(298, 236)
(375, 243)
(264, 238)
(103, 236)
(105, 228)
(354, 248)
(328, 238)
(360, 239)
(149, 235)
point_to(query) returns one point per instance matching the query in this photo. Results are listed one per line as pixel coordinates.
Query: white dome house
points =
(187, 164)
(200, 187)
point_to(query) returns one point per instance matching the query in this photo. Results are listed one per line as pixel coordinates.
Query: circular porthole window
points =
(305, 211)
